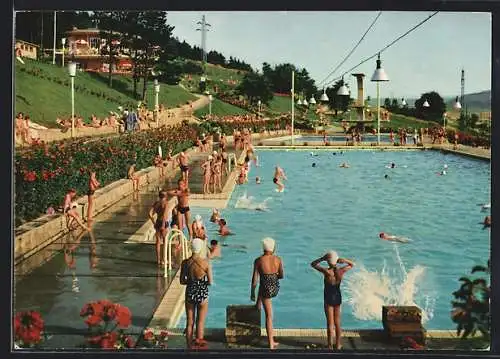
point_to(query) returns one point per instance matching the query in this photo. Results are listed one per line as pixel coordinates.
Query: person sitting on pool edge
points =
(223, 229)
(215, 250)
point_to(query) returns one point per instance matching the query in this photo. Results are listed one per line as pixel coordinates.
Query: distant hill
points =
(479, 101)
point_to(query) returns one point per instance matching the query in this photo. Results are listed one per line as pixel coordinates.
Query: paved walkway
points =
(315, 340)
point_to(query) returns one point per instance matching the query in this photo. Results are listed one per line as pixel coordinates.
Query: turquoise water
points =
(327, 207)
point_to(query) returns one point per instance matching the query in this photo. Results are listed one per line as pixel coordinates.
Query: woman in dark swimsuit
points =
(268, 269)
(331, 294)
(196, 274)
(224, 161)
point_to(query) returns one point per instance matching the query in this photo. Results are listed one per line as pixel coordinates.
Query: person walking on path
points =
(332, 296)
(268, 270)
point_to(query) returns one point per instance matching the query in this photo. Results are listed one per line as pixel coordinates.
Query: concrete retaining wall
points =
(34, 235)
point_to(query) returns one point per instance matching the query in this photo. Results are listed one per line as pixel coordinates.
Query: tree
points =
(471, 307)
(387, 103)
(255, 87)
(436, 107)
(394, 103)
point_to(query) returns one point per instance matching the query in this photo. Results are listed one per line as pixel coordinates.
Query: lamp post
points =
(210, 99)
(72, 74)
(293, 105)
(55, 32)
(63, 40)
(259, 103)
(378, 76)
(444, 121)
(157, 92)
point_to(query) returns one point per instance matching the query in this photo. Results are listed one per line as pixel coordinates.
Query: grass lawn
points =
(45, 98)
(220, 108)
(216, 75)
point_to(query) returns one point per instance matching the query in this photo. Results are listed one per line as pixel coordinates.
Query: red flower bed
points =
(43, 173)
(28, 328)
(106, 322)
(467, 139)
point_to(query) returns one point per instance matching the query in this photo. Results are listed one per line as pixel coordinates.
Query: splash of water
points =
(367, 291)
(246, 202)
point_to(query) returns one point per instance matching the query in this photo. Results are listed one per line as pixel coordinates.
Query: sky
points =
(428, 59)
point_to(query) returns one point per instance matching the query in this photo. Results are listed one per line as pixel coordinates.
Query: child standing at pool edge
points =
(332, 296)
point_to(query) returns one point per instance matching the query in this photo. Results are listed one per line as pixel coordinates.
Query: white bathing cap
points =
(197, 218)
(268, 244)
(210, 157)
(445, 165)
(333, 257)
(197, 245)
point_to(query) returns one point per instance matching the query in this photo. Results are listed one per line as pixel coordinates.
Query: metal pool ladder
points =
(186, 250)
(229, 157)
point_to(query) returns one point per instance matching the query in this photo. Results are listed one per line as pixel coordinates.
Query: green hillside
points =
(220, 108)
(43, 91)
(216, 75)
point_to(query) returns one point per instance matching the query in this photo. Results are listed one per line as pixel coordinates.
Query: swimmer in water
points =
(223, 229)
(214, 218)
(485, 206)
(214, 248)
(442, 173)
(314, 154)
(392, 165)
(344, 165)
(487, 222)
(314, 164)
(391, 238)
(387, 177)
(257, 180)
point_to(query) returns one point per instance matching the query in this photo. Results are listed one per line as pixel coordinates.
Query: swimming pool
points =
(327, 207)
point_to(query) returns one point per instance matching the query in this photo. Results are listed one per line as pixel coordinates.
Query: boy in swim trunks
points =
(279, 174)
(183, 164)
(160, 224)
(183, 211)
(93, 185)
(133, 177)
(214, 248)
(69, 208)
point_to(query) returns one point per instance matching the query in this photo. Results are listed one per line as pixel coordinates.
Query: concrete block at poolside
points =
(242, 323)
(403, 321)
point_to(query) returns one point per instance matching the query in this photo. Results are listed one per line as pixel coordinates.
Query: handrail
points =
(231, 155)
(173, 233)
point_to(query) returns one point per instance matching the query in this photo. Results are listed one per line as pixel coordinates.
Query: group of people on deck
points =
(268, 270)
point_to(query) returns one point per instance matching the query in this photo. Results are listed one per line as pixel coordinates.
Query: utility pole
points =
(204, 29)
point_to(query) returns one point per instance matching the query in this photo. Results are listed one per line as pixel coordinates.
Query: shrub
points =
(305, 144)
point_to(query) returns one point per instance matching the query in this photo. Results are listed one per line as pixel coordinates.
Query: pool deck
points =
(468, 151)
(315, 340)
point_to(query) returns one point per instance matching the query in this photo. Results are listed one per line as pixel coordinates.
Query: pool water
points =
(327, 207)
